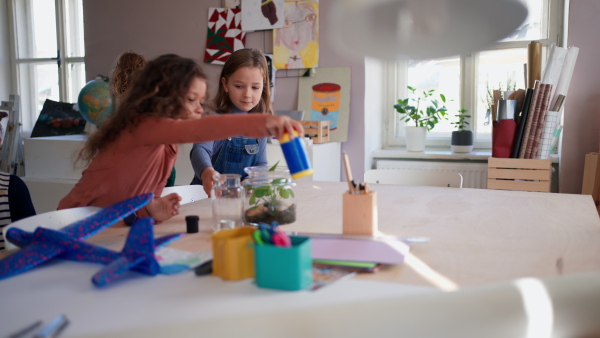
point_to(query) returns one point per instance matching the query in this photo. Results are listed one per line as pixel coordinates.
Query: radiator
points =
(474, 174)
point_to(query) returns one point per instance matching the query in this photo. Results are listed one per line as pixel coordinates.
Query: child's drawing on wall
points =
(296, 45)
(261, 15)
(232, 4)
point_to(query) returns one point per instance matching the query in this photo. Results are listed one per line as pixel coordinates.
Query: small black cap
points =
(192, 224)
(204, 269)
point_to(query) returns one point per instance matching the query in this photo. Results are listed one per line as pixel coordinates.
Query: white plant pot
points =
(461, 149)
(415, 138)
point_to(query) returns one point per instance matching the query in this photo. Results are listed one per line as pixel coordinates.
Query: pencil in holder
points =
(360, 213)
(233, 253)
(284, 268)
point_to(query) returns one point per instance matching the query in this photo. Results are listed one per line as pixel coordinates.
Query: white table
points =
(480, 241)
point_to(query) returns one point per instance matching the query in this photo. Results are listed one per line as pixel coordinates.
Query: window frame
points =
(64, 62)
(395, 79)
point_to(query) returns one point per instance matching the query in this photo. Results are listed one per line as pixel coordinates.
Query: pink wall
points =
(582, 106)
(155, 27)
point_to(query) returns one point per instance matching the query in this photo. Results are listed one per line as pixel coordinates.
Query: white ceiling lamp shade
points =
(423, 29)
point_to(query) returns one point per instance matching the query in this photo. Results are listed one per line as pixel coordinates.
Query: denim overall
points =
(235, 154)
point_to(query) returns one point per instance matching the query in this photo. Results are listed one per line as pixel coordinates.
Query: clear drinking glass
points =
(227, 201)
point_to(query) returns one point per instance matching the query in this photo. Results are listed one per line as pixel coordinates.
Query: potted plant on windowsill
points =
(424, 112)
(462, 139)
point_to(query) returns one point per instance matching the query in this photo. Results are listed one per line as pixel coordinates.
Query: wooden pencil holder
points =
(360, 214)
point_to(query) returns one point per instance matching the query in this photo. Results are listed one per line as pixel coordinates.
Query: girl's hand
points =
(163, 208)
(207, 179)
(277, 125)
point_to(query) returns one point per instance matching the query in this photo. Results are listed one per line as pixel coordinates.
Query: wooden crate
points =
(591, 178)
(519, 174)
(318, 131)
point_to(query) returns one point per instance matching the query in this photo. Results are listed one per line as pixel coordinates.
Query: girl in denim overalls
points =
(244, 88)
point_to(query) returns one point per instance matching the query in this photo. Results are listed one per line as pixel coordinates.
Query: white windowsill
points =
(438, 154)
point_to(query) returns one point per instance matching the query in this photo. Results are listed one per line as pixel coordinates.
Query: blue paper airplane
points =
(44, 244)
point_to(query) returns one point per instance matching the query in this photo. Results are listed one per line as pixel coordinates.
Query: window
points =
(465, 79)
(48, 53)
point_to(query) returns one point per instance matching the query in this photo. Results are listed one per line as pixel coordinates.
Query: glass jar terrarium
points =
(269, 196)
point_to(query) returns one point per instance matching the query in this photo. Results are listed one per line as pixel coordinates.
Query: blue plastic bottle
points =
(295, 156)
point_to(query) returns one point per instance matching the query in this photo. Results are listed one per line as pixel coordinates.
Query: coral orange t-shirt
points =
(140, 161)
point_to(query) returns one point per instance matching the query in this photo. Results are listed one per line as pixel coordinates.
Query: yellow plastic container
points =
(233, 253)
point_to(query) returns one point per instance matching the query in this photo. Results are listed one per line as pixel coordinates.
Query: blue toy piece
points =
(44, 244)
(295, 156)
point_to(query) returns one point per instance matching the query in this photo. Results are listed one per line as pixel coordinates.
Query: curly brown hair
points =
(127, 64)
(159, 90)
(247, 57)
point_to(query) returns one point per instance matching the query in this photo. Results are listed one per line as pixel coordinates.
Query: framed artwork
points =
(326, 97)
(224, 35)
(296, 45)
(261, 15)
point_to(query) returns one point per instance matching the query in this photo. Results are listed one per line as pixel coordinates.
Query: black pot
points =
(462, 138)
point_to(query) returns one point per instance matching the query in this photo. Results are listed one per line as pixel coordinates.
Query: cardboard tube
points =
(534, 63)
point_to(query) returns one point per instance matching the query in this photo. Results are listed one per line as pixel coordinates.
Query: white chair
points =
(53, 220)
(188, 193)
(414, 177)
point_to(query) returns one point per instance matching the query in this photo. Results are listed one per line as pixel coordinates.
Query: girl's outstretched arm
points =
(171, 131)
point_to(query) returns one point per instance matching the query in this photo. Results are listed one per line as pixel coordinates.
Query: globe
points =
(95, 101)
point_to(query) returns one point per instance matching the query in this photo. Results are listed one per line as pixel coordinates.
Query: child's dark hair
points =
(159, 90)
(248, 57)
(127, 64)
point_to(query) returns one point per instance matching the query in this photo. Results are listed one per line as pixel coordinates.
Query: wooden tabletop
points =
(476, 236)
